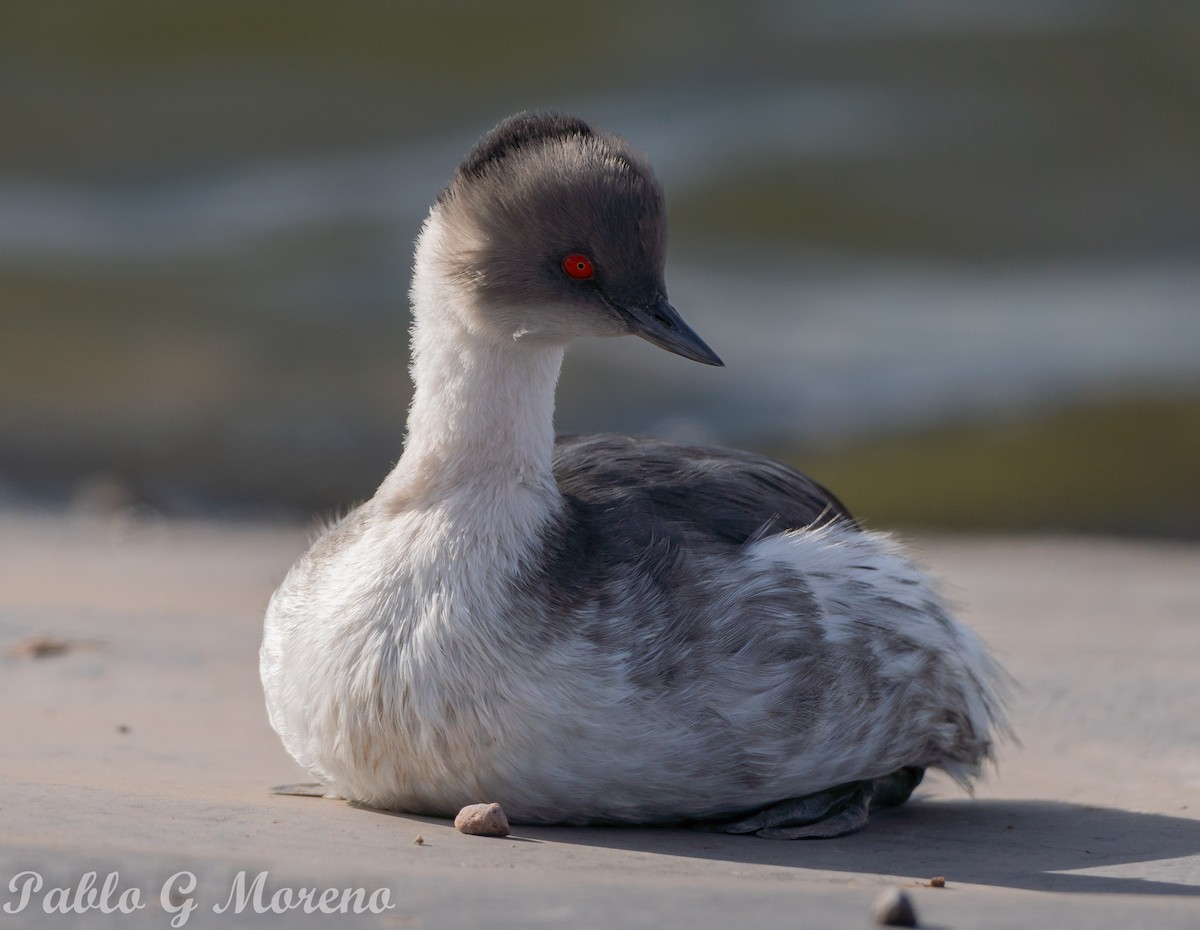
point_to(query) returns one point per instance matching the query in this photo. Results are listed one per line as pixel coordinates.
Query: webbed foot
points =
(305, 790)
(825, 814)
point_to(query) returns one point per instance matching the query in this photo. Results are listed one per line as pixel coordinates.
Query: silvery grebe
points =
(599, 628)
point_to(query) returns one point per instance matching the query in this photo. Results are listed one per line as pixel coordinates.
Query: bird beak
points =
(662, 325)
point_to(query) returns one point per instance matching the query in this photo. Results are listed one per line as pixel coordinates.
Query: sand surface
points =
(142, 749)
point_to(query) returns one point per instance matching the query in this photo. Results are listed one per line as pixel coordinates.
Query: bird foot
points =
(305, 790)
(825, 814)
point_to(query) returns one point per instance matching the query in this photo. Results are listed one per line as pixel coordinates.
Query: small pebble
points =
(894, 908)
(938, 881)
(482, 820)
(418, 840)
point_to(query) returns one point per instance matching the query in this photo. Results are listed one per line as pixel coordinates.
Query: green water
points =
(206, 212)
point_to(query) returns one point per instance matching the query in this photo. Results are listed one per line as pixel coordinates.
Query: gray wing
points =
(655, 511)
(721, 494)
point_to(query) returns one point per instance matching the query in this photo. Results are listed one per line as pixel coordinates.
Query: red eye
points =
(578, 266)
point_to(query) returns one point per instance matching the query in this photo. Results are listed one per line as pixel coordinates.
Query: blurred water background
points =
(948, 249)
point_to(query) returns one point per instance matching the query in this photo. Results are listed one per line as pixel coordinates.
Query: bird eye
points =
(578, 266)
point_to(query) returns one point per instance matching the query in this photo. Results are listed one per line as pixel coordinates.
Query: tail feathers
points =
(980, 720)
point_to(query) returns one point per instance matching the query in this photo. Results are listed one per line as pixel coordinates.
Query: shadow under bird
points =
(601, 629)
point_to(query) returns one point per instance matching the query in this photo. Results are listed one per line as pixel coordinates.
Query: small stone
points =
(894, 908)
(418, 840)
(482, 820)
(938, 881)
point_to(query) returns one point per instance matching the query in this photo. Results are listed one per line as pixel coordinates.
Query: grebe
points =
(599, 628)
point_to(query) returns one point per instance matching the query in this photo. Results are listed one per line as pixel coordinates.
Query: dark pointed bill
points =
(662, 325)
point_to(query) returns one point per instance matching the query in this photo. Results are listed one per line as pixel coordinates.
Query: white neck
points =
(482, 414)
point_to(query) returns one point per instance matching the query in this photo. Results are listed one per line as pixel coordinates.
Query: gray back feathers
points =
(728, 495)
(651, 508)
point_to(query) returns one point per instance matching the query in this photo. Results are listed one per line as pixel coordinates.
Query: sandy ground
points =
(143, 750)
